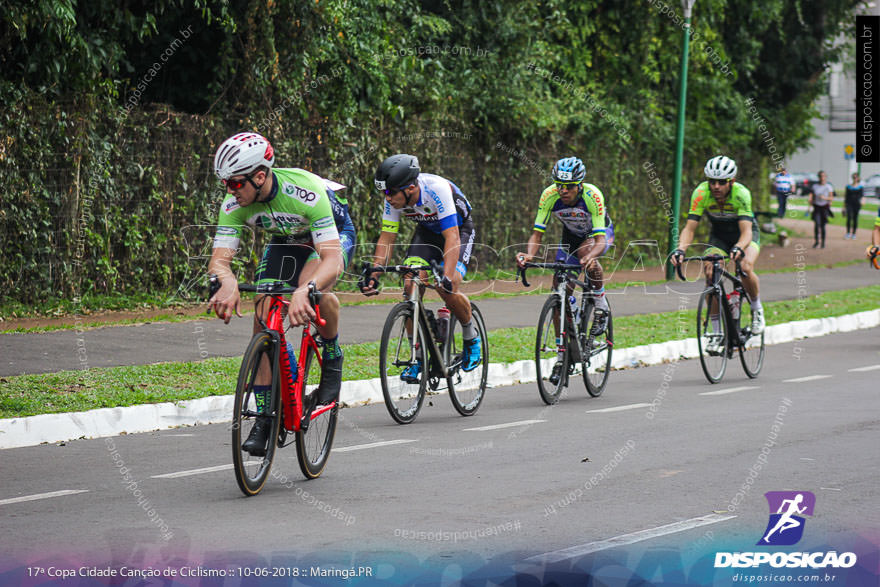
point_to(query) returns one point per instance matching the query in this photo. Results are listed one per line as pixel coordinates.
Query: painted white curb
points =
(33, 430)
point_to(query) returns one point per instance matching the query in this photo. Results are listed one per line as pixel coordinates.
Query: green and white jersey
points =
(298, 208)
(723, 217)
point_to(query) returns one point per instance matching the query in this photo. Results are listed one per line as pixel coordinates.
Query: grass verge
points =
(67, 391)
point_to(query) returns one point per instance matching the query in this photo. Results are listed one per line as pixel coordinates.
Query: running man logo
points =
(786, 526)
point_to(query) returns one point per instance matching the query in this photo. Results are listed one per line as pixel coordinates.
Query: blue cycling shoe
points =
(411, 373)
(471, 357)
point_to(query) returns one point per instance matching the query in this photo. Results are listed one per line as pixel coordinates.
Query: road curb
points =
(48, 428)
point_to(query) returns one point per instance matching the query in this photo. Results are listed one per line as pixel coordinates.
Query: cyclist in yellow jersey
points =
(586, 235)
(734, 231)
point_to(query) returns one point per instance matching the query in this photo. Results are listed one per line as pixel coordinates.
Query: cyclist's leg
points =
(751, 284)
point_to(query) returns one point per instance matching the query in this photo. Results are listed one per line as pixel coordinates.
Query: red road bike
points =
(290, 397)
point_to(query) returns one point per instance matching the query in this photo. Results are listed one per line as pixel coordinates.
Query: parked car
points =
(804, 183)
(871, 186)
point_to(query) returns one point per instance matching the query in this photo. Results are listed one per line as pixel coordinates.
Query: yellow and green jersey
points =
(587, 217)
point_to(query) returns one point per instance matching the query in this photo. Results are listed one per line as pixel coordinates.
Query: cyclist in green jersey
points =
(734, 230)
(294, 207)
(587, 234)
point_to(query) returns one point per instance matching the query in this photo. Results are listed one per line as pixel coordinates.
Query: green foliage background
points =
(110, 114)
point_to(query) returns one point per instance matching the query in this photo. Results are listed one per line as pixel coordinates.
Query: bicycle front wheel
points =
(313, 445)
(402, 366)
(551, 371)
(712, 336)
(251, 471)
(469, 387)
(751, 351)
(596, 357)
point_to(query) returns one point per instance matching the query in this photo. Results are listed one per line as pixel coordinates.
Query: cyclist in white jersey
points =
(445, 233)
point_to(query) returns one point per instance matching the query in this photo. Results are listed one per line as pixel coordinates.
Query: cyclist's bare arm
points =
(686, 237)
(227, 299)
(451, 249)
(745, 234)
(381, 256)
(325, 275)
(532, 246)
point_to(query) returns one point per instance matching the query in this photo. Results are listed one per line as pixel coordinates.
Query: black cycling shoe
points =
(331, 381)
(556, 373)
(256, 440)
(600, 322)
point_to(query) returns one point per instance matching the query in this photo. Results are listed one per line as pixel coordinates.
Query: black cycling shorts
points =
(427, 246)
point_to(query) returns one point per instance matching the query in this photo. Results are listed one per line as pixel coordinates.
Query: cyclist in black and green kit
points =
(294, 206)
(734, 231)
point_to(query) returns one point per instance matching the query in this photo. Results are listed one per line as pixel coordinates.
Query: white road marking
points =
(37, 496)
(625, 539)
(508, 425)
(192, 472)
(618, 408)
(731, 390)
(807, 378)
(861, 369)
(831, 488)
(371, 445)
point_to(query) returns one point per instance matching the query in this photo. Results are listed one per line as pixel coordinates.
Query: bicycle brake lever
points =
(521, 273)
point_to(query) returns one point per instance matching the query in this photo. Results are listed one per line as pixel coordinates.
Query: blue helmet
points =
(568, 170)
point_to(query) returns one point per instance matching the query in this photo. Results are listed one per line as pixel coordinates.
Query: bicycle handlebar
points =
(367, 269)
(521, 271)
(273, 289)
(714, 258)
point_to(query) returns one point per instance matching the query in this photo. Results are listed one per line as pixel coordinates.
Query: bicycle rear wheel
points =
(401, 349)
(751, 352)
(251, 472)
(596, 356)
(313, 445)
(469, 387)
(546, 352)
(712, 341)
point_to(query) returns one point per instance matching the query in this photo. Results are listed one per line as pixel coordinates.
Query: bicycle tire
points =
(714, 365)
(601, 352)
(546, 348)
(313, 445)
(402, 399)
(468, 387)
(751, 357)
(250, 473)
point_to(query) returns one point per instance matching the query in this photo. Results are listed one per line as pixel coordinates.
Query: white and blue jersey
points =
(441, 205)
(784, 183)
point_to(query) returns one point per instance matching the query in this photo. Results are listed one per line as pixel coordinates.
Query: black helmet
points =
(397, 172)
(569, 169)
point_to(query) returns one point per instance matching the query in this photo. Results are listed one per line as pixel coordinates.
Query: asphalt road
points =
(195, 340)
(451, 493)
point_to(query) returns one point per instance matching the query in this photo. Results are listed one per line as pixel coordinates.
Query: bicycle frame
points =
(291, 399)
(437, 364)
(717, 284)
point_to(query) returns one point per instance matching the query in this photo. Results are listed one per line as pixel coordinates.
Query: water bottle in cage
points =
(575, 311)
(733, 298)
(442, 323)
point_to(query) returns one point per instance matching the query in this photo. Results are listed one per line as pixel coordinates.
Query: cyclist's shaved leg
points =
(329, 303)
(750, 281)
(332, 356)
(457, 302)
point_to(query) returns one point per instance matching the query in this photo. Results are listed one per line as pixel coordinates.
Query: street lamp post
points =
(679, 138)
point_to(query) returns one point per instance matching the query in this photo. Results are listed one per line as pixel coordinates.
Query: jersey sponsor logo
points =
(230, 206)
(280, 220)
(227, 230)
(306, 196)
(419, 217)
(437, 201)
(322, 222)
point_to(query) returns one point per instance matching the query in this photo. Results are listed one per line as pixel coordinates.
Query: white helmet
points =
(242, 153)
(720, 167)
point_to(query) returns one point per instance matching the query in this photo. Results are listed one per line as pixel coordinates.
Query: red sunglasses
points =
(235, 184)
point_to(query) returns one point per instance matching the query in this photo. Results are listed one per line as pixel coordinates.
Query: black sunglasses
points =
(719, 181)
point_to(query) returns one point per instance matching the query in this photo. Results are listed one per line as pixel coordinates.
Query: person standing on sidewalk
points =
(820, 200)
(853, 203)
(783, 184)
